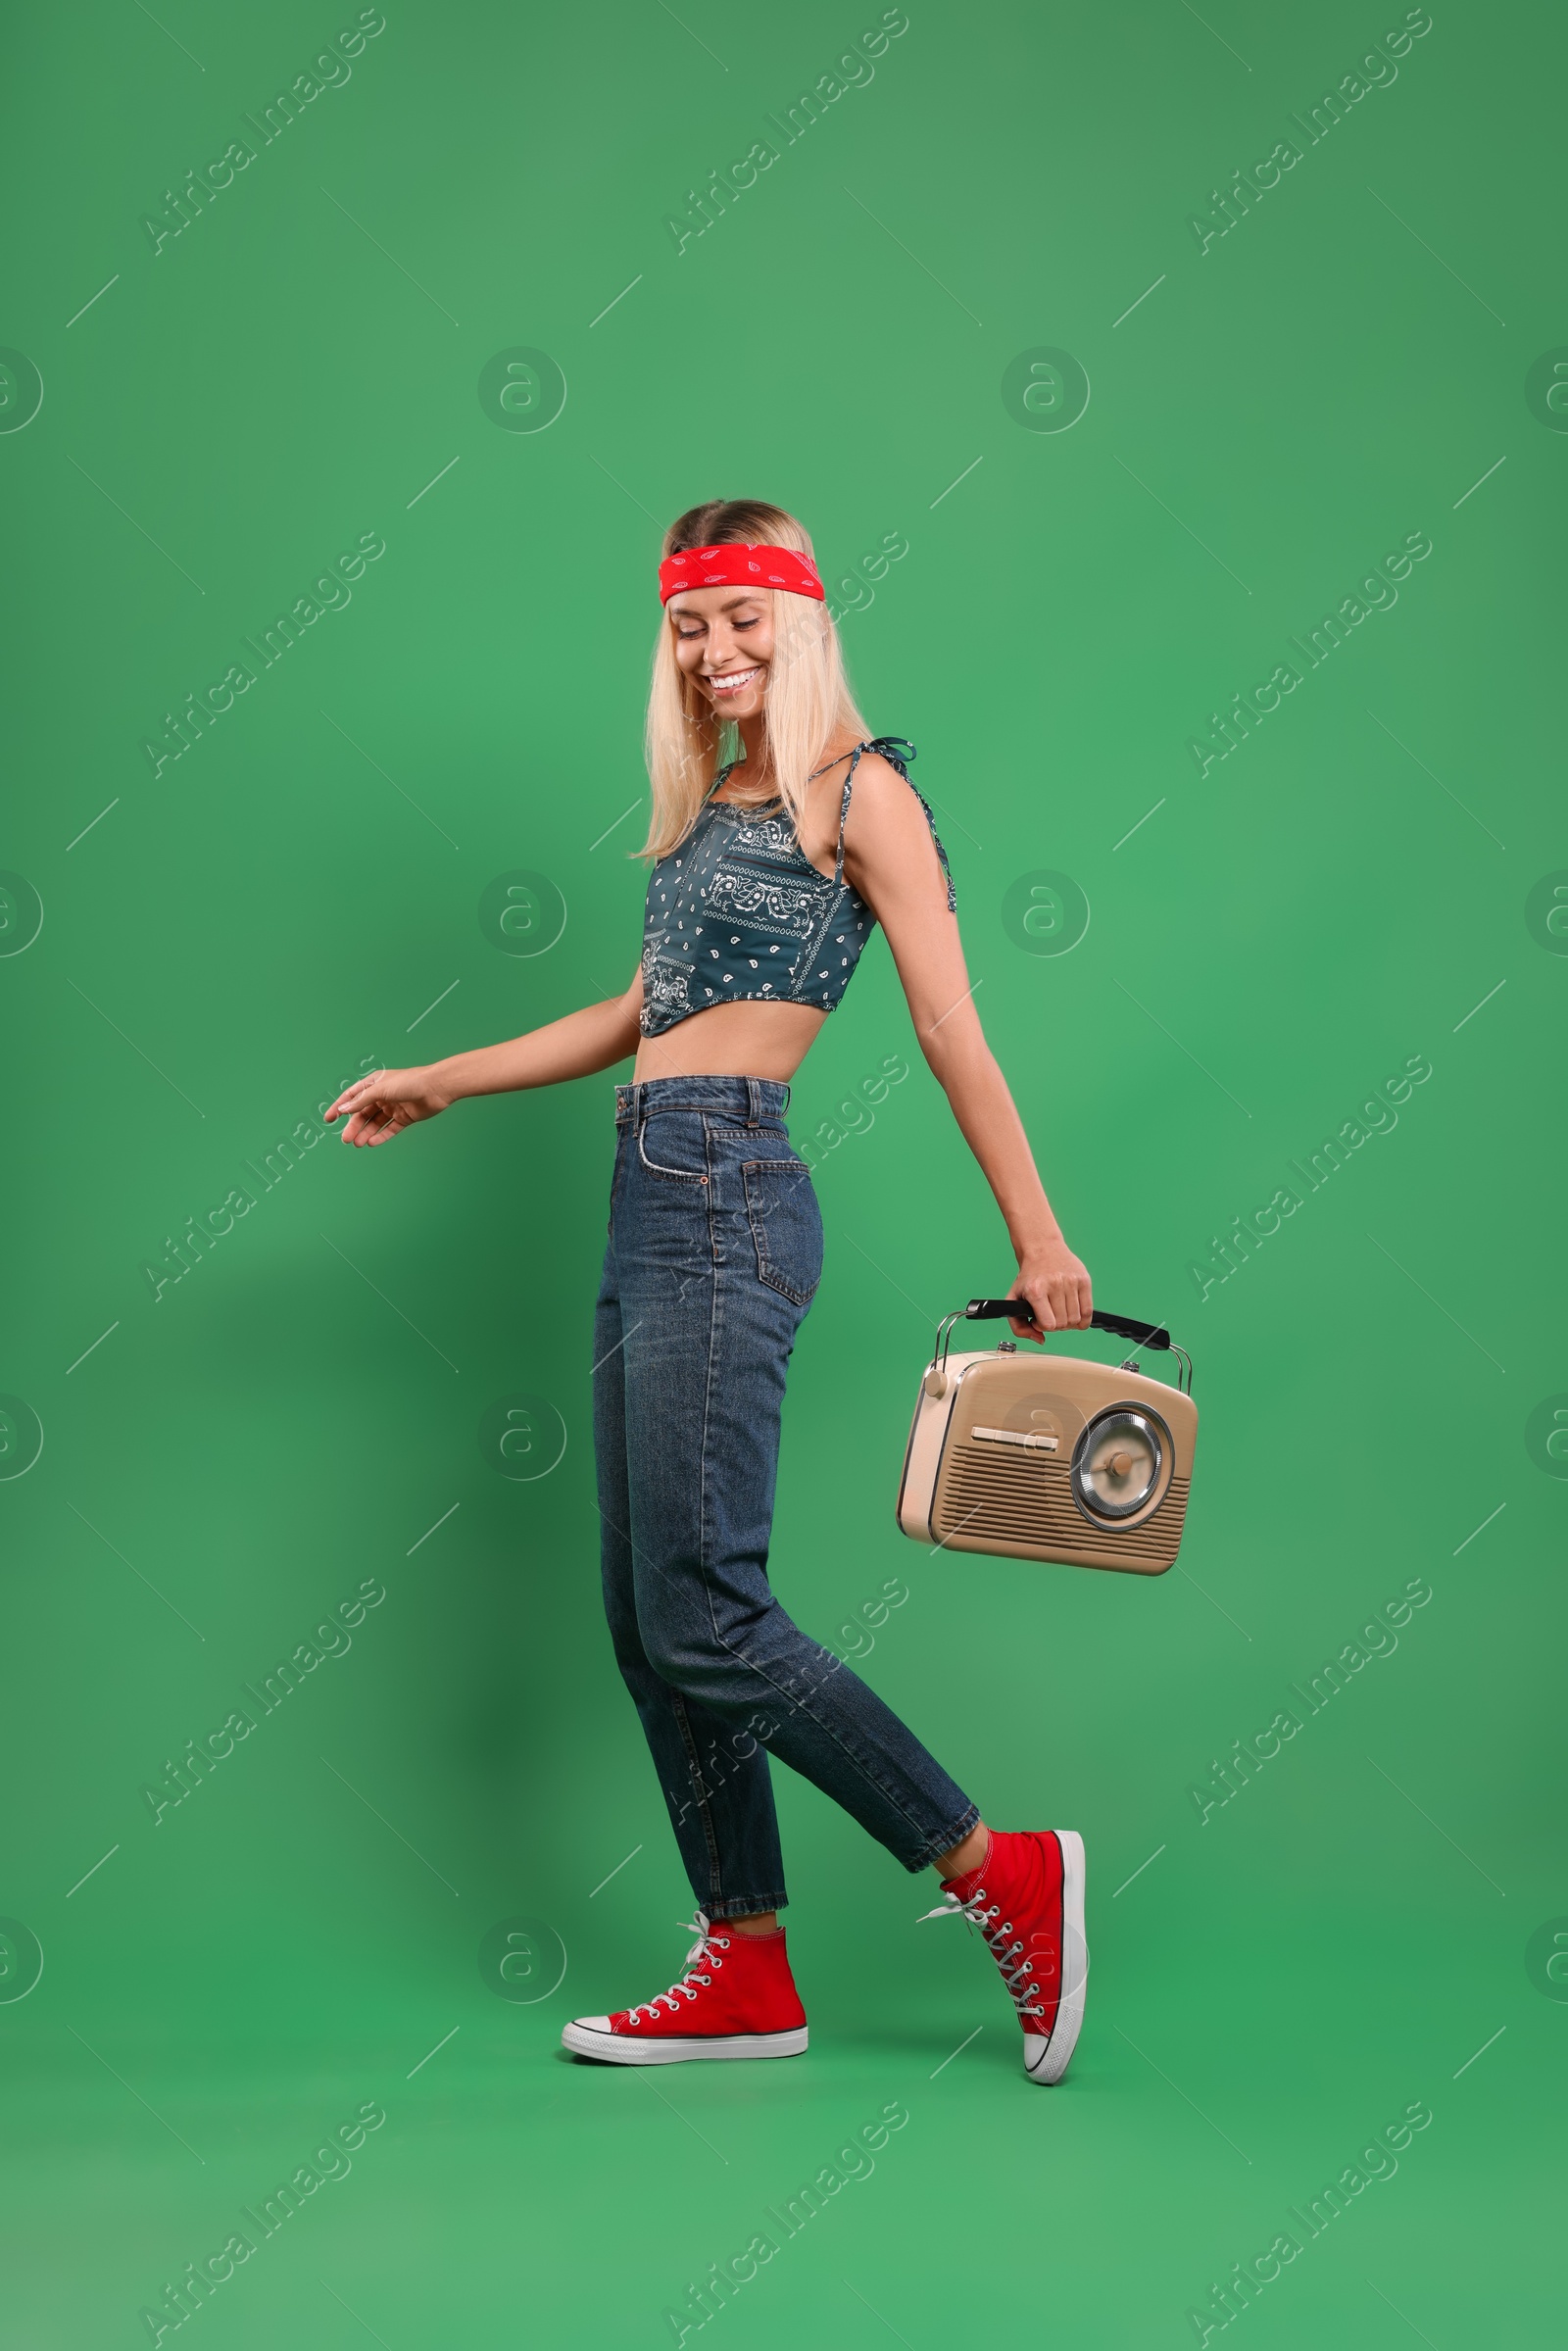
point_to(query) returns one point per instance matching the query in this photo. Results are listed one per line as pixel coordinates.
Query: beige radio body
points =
(1003, 1444)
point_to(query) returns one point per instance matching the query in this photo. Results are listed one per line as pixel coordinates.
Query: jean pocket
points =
(786, 1224)
(680, 1146)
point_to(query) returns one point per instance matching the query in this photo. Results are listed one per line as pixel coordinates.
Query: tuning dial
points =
(1117, 1463)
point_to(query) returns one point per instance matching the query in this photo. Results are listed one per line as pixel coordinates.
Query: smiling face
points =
(724, 644)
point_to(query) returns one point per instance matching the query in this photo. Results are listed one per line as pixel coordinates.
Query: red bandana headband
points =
(740, 568)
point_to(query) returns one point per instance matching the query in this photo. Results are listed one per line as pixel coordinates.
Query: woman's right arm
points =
(381, 1105)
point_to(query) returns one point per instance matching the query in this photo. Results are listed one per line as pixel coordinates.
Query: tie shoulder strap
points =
(843, 806)
(898, 751)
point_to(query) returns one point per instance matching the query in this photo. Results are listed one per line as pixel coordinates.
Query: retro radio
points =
(1050, 1456)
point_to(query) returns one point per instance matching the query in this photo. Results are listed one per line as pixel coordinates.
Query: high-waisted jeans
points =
(715, 1248)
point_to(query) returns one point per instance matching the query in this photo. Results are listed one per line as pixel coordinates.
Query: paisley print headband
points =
(740, 566)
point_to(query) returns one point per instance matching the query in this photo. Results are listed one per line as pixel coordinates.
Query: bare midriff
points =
(750, 1039)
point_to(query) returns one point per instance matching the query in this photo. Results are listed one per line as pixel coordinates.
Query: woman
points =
(770, 871)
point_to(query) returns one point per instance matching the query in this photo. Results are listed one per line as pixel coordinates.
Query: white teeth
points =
(732, 681)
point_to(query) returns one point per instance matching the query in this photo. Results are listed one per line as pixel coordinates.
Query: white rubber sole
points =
(1045, 2056)
(591, 2037)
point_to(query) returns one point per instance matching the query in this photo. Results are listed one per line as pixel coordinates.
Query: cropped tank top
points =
(736, 909)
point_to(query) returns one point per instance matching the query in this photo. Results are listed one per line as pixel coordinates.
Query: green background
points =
(237, 935)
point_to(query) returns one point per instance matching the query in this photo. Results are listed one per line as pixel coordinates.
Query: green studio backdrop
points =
(1179, 403)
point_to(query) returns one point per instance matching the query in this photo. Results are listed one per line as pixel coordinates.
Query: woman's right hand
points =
(382, 1105)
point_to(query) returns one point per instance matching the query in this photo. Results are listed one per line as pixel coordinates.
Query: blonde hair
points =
(808, 698)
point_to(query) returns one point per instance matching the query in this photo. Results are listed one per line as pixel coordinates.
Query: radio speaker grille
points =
(983, 1501)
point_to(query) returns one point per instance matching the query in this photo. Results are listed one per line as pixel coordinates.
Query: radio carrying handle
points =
(1009, 1309)
(1121, 1326)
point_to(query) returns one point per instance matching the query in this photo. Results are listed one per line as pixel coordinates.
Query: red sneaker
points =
(1027, 1900)
(737, 1998)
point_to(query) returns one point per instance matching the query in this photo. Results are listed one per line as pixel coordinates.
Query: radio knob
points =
(1118, 1462)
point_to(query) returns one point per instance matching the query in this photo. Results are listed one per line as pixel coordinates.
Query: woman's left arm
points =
(892, 860)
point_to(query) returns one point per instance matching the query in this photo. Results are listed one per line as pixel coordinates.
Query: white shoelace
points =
(1017, 1973)
(707, 1947)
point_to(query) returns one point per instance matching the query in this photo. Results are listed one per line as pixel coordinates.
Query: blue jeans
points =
(715, 1249)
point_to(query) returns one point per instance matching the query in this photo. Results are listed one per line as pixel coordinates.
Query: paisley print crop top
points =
(736, 909)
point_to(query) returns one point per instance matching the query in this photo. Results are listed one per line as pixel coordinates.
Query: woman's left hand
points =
(1057, 1284)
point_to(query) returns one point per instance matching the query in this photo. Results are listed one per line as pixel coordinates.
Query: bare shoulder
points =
(888, 841)
(878, 806)
(882, 798)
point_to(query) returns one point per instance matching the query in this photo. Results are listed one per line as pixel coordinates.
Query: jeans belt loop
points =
(754, 1102)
